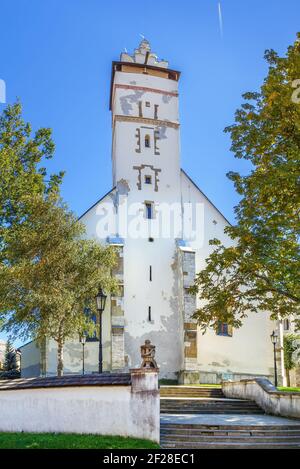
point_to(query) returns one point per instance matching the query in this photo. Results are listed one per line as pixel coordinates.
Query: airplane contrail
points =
(220, 18)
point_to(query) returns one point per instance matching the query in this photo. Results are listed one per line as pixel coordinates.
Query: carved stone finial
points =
(148, 354)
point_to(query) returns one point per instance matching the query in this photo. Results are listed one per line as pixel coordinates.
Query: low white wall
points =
(265, 395)
(126, 410)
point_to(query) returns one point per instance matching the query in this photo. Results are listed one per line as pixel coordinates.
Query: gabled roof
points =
(204, 195)
(99, 200)
(190, 179)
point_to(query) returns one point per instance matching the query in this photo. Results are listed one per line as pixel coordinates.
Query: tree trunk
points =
(288, 378)
(60, 361)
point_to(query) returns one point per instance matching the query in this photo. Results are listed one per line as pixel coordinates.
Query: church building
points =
(160, 223)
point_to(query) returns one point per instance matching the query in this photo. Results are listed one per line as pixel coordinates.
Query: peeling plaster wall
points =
(73, 356)
(248, 351)
(30, 360)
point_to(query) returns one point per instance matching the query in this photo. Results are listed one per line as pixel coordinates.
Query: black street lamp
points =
(100, 301)
(274, 340)
(82, 339)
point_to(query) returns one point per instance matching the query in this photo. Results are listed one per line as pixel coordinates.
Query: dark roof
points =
(104, 379)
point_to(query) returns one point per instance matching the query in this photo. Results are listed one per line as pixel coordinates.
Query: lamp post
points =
(82, 339)
(274, 340)
(100, 301)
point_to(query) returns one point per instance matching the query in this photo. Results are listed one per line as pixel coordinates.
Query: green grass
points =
(168, 382)
(70, 441)
(282, 388)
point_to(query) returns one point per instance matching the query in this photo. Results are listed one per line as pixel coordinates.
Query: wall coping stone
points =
(103, 379)
(267, 386)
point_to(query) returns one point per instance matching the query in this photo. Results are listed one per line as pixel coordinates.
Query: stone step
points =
(206, 410)
(186, 391)
(212, 412)
(223, 427)
(217, 406)
(166, 432)
(230, 445)
(205, 436)
(231, 438)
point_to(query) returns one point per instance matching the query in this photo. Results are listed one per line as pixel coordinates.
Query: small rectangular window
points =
(149, 210)
(140, 109)
(151, 240)
(149, 314)
(150, 273)
(224, 329)
(148, 180)
(147, 103)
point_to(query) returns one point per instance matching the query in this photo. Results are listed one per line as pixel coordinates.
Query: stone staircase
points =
(190, 391)
(185, 436)
(232, 423)
(202, 400)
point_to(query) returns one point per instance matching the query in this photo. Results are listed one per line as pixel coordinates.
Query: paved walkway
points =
(227, 419)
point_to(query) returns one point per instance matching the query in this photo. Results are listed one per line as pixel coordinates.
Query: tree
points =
(260, 270)
(49, 274)
(10, 357)
(291, 346)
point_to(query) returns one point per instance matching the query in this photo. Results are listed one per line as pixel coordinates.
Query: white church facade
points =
(160, 223)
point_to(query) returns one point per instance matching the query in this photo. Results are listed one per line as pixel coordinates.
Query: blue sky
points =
(56, 57)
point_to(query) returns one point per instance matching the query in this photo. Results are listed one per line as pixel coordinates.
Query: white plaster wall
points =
(265, 395)
(72, 356)
(93, 218)
(249, 349)
(30, 360)
(105, 410)
(139, 254)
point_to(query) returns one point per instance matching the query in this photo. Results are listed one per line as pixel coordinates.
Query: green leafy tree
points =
(49, 274)
(260, 270)
(291, 346)
(10, 357)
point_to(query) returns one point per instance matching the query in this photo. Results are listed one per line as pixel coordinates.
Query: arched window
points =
(147, 141)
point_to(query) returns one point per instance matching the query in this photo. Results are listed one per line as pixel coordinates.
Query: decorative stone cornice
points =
(144, 120)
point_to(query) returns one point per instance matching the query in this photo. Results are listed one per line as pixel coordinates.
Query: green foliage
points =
(9, 357)
(291, 346)
(49, 274)
(260, 271)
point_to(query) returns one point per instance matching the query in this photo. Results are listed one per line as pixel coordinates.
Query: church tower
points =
(146, 175)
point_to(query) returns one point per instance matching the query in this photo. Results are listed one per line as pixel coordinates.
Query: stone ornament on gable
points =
(148, 354)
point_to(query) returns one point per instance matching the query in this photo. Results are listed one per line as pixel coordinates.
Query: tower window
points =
(151, 240)
(147, 103)
(286, 324)
(155, 111)
(148, 180)
(140, 109)
(147, 141)
(150, 273)
(149, 314)
(149, 210)
(224, 329)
